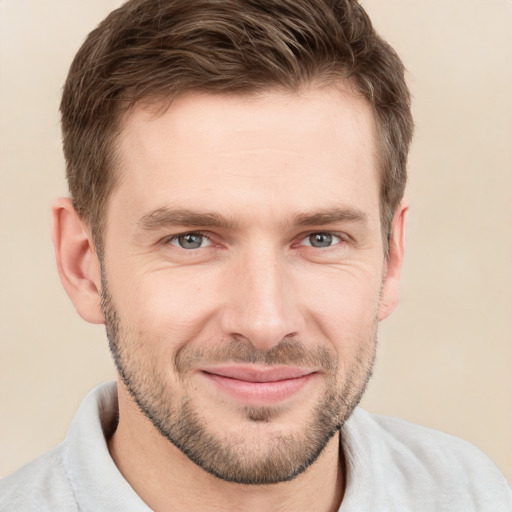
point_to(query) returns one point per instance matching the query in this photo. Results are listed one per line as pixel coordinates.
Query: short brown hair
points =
(156, 49)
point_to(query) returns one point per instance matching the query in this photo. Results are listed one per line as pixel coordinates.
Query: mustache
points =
(288, 352)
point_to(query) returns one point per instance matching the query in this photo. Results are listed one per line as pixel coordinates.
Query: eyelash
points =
(342, 238)
(174, 238)
(330, 234)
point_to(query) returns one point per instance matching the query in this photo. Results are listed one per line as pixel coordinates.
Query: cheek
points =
(343, 306)
(170, 306)
(348, 294)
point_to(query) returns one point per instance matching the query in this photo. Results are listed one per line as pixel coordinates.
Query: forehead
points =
(274, 148)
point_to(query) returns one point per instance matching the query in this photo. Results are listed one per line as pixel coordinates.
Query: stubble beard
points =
(234, 457)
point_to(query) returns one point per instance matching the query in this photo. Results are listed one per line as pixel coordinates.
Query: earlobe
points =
(77, 261)
(393, 266)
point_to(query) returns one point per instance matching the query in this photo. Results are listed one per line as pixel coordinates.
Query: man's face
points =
(243, 271)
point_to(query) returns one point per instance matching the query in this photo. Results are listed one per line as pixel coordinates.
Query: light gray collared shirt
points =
(392, 466)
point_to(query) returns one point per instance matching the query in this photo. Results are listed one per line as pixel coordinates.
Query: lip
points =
(258, 386)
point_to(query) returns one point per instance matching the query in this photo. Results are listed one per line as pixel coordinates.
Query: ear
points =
(393, 266)
(77, 261)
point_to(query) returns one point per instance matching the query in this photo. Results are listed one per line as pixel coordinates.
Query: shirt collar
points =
(96, 481)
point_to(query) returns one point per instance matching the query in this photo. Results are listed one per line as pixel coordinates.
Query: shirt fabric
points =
(392, 466)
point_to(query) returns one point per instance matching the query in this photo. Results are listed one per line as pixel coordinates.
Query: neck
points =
(165, 479)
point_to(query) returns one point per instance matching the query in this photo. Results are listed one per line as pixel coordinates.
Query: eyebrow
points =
(166, 217)
(330, 216)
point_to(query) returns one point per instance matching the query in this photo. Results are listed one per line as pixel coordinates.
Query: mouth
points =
(258, 386)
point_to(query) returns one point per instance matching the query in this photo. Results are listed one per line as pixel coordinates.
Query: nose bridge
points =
(262, 305)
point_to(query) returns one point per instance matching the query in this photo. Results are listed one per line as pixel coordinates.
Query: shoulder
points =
(419, 465)
(41, 486)
(433, 450)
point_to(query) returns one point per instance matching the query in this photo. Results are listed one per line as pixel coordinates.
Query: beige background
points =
(445, 356)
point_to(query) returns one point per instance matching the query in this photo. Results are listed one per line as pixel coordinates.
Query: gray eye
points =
(320, 239)
(190, 241)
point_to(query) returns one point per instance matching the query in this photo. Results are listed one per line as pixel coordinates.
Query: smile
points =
(259, 387)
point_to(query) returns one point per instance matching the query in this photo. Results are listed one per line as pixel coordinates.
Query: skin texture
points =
(211, 267)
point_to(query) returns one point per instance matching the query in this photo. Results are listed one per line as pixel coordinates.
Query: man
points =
(236, 220)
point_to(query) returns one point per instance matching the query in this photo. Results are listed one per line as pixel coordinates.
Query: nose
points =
(262, 304)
